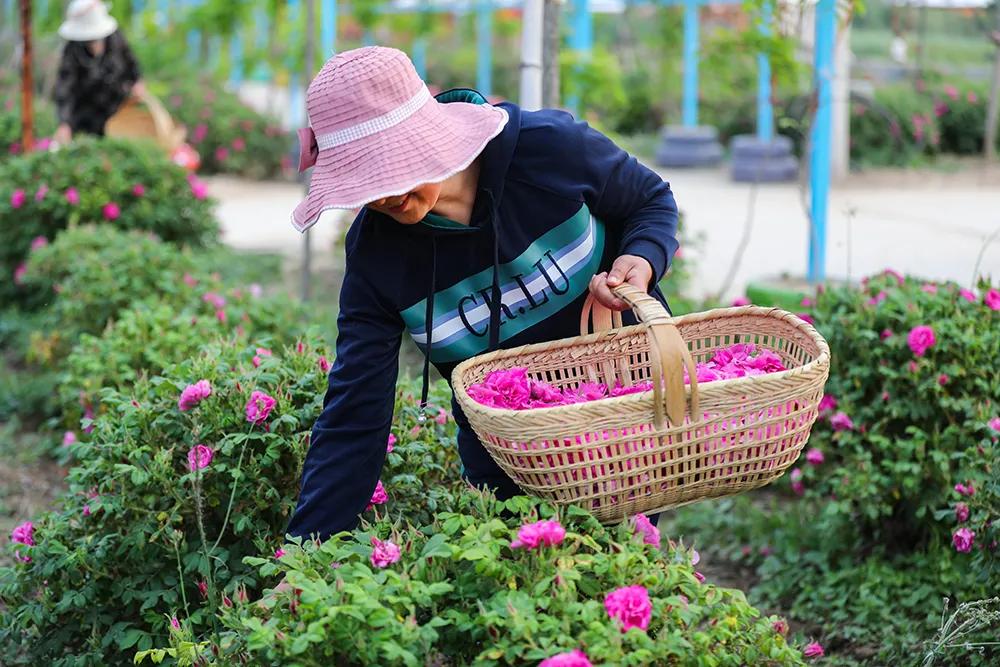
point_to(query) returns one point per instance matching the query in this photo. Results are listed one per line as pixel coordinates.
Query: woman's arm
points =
(348, 444)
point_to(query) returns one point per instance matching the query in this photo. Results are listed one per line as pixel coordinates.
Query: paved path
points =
(927, 223)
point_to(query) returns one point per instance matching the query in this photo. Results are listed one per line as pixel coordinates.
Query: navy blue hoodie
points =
(557, 202)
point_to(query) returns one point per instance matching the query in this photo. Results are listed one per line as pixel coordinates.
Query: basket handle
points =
(668, 352)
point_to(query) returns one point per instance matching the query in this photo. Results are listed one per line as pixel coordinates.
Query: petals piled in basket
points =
(513, 389)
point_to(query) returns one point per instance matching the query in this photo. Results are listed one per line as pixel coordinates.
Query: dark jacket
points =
(89, 89)
(557, 202)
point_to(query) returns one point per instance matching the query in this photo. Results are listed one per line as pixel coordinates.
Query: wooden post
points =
(27, 85)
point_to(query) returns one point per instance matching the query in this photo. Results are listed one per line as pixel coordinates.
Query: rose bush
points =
(455, 592)
(43, 193)
(229, 136)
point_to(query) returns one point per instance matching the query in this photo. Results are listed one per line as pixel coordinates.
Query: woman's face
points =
(410, 208)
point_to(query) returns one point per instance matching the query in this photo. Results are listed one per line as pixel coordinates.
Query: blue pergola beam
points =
(690, 101)
(822, 129)
(328, 28)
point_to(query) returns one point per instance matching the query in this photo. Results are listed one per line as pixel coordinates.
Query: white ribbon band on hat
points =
(374, 125)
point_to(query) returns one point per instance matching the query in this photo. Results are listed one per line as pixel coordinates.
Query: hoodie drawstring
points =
(495, 288)
(429, 327)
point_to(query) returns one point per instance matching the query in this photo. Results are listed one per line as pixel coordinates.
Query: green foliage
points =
(102, 172)
(920, 422)
(103, 580)
(461, 595)
(93, 272)
(10, 123)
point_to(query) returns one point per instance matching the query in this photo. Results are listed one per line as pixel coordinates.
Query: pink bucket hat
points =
(375, 131)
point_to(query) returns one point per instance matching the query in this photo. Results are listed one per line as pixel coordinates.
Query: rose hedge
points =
(129, 185)
(229, 136)
(459, 591)
(911, 396)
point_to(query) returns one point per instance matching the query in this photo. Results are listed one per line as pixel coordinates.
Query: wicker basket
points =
(145, 120)
(677, 444)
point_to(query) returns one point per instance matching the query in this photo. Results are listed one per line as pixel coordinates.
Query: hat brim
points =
(74, 32)
(435, 143)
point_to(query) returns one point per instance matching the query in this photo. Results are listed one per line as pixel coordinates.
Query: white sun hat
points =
(86, 21)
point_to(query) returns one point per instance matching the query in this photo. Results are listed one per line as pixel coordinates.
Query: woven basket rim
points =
(823, 358)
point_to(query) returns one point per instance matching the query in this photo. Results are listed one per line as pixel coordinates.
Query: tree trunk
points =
(550, 55)
(27, 86)
(993, 109)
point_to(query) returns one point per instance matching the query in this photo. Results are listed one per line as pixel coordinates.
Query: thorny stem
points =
(232, 495)
(180, 579)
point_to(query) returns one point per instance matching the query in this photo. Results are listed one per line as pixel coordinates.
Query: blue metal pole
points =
(236, 59)
(328, 30)
(296, 96)
(581, 40)
(819, 168)
(484, 47)
(420, 56)
(193, 36)
(690, 108)
(367, 39)
(765, 114)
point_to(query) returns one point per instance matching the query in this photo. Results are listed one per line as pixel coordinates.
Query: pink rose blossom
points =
(807, 302)
(415, 431)
(199, 457)
(921, 338)
(943, 379)
(41, 192)
(216, 300)
(221, 316)
(390, 444)
(961, 513)
(798, 487)
(255, 290)
(203, 588)
(20, 271)
(995, 424)
(885, 396)
(200, 132)
(198, 189)
(261, 352)
(630, 606)
(965, 490)
(841, 422)
(878, 298)
(384, 553)
(741, 301)
(886, 333)
(68, 438)
(18, 198)
(259, 407)
(806, 317)
(963, 539)
(194, 394)
(828, 403)
(644, 527)
(111, 211)
(992, 299)
(174, 623)
(700, 577)
(221, 153)
(324, 365)
(138, 189)
(539, 534)
(972, 97)
(279, 552)
(442, 416)
(929, 288)
(780, 626)
(951, 91)
(813, 650)
(86, 510)
(239, 144)
(379, 497)
(814, 456)
(575, 658)
(38, 243)
(913, 366)
(24, 534)
(968, 295)
(72, 196)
